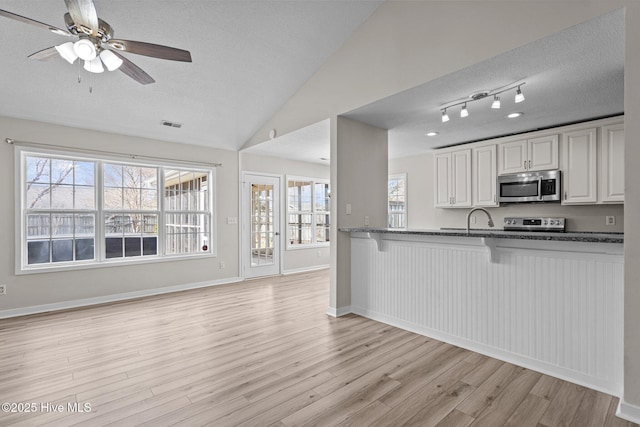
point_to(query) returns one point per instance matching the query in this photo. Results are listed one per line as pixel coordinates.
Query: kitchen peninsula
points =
(552, 302)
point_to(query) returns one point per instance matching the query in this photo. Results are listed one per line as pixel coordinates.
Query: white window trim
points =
(406, 199)
(313, 181)
(100, 260)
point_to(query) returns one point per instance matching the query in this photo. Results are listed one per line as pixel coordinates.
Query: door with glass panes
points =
(261, 225)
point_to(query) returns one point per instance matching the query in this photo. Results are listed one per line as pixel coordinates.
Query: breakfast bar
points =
(552, 302)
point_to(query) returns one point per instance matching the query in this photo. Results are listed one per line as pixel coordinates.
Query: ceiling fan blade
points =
(133, 71)
(150, 49)
(44, 54)
(83, 13)
(25, 20)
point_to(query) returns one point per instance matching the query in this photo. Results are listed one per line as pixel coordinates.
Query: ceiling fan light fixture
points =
(67, 52)
(110, 60)
(94, 66)
(85, 49)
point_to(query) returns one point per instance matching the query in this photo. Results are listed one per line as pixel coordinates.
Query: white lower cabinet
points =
(579, 167)
(452, 176)
(484, 176)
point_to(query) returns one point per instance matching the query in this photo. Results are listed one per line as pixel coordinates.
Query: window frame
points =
(100, 260)
(313, 212)
(399, 176)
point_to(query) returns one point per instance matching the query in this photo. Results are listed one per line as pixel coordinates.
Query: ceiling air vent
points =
(171, 124)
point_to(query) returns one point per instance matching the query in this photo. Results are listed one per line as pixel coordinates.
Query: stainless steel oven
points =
(543, 186)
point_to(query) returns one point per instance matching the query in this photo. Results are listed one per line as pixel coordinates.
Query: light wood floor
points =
(264, 353)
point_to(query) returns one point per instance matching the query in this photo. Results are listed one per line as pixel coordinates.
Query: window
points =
(84, 211)
(397, 192)
(307, 212)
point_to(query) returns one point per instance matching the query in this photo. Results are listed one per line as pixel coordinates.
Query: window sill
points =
(109, 263)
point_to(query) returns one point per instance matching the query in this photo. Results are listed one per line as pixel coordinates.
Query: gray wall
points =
(293, 259)
(422, 213)
(49, 288)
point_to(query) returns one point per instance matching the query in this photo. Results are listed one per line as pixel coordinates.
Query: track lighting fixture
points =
(477, 96)
(464, 112)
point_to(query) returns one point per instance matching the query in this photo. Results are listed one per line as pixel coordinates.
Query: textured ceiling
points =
(249, 57)
(571, 76)
(574, 75)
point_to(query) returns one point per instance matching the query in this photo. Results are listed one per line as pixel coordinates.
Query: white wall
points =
(293, 259)
(422, 213)
(59, 287)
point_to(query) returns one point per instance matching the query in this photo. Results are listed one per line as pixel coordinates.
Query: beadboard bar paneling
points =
(554, 308)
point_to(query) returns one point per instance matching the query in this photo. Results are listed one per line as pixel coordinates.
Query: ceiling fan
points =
(96, 45)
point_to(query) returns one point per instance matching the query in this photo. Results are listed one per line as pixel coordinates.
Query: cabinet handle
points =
(525, 164)
(565, 195)
(529, 164)
(454, 200)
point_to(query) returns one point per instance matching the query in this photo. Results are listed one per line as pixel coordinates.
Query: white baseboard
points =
(337, 312)
(305, 269)
(65, 305)
(496, 353)
(628, 412)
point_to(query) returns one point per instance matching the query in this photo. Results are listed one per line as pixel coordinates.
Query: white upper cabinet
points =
(612, 164)
(484, 176)
(543, 153)
(528, 155)
(452, 175)
(579, 167)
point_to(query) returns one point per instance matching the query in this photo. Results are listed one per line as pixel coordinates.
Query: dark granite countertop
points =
(595, 237)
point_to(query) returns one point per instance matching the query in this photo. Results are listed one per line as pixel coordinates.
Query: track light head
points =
(445, 116)
(519, 96)
(464, 112)
(496, 102)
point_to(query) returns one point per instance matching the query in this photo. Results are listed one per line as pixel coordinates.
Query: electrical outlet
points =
(3, 289)
(473, 219)
(610, 220)
(319, 254)
(221, 265)
(348, 208)
(366, 220)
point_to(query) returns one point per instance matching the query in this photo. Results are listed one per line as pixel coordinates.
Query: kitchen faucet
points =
(490, 223)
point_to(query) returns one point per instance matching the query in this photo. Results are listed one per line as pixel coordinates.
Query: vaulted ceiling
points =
(249, 57)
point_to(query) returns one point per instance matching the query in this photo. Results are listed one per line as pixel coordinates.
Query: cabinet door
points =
(512, 157)
(461, 178)
(484, 176)
(579, 172)
(543, 153)
(612, 164)
(442, 172)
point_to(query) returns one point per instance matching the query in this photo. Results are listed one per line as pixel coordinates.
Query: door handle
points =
(277, 233)
(539, 188)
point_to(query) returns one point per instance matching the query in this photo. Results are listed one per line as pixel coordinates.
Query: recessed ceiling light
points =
(514, 115)
(432, 133)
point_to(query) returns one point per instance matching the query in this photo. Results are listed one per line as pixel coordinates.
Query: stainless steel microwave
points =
(543, 186)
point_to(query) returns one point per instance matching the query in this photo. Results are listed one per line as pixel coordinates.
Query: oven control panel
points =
(534, 224)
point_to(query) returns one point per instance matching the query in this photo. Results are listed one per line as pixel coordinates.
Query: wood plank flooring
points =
(264, 353)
